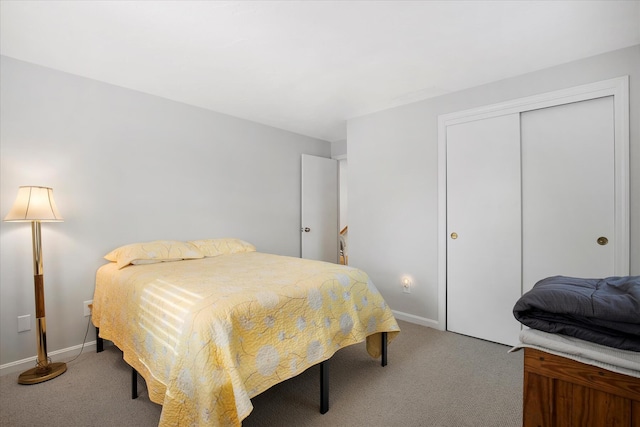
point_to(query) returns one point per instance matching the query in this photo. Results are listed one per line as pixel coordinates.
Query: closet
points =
(533, 188)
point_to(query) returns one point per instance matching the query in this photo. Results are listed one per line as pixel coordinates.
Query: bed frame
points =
(563, 392)
(324, 372)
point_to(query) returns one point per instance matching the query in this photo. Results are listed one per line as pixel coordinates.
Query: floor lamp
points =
(36, 205)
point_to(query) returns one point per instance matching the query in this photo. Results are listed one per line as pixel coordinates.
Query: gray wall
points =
(339, 148)
(128, 167)
(393, 177)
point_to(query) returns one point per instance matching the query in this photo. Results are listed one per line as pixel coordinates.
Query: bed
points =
(210, 324)
(581, 376)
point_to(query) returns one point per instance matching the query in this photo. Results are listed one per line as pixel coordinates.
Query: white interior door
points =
(484, 228)
(319, 210)
(568, 183)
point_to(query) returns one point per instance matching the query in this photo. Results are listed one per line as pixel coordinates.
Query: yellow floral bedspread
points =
(209, 334)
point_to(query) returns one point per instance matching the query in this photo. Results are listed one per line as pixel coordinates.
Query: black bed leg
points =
(383, 338)
(134, 383)
(99, 341)
(324, 387)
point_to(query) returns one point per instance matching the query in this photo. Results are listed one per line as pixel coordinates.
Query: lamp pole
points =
(44, 370)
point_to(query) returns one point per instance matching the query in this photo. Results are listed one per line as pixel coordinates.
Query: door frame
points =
(616, 87)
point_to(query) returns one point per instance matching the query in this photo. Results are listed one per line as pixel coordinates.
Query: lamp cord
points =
(83, 341)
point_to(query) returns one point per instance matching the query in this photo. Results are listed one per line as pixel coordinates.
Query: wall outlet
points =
(87, 307)
(24, 323)
(406, 285)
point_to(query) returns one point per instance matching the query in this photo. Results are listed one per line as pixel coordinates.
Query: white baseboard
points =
(411, 318)
(62, 355)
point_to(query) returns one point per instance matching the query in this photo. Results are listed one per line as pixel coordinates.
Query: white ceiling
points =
(308, 66)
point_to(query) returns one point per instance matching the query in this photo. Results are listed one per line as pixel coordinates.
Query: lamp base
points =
(38, 375)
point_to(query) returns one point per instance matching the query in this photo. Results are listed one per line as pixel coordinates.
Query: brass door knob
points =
(602, 241)
(454, 235)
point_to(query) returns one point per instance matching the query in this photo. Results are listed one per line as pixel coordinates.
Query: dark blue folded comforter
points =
(604, 311)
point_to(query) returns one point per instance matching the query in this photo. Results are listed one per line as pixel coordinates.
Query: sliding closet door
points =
(484, 228)
(568, 187)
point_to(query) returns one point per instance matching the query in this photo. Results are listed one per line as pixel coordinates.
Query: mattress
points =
(209, 334)
(613, 359)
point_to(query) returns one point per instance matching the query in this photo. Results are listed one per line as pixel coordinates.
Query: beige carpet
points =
(433, 379)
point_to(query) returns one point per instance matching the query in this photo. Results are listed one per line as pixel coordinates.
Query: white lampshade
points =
(34, 204)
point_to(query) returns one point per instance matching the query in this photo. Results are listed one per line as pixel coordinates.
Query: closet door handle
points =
(602, 241)
(454, 235)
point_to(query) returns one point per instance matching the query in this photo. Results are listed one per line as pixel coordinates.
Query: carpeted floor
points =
(433, 378)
